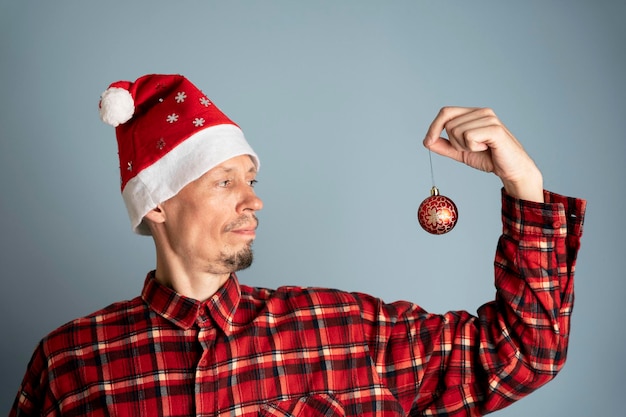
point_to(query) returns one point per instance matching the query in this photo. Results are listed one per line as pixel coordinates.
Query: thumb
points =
(443, 147)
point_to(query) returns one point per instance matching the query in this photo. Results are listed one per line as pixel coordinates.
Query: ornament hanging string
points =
(432, 172)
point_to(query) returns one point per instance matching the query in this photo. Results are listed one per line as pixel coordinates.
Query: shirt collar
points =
(184, 312)
(222, 306)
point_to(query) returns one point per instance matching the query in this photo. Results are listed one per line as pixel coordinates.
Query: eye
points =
(252, 183)
(224, 183)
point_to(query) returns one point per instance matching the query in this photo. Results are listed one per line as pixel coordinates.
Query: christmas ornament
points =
(437, 214)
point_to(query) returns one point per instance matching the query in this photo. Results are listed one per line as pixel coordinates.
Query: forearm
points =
(534, 270)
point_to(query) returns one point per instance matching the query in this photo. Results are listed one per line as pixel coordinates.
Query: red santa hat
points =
(168, 134)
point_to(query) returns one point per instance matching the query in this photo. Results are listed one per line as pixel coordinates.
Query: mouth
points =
(249, 232)
(244, 227)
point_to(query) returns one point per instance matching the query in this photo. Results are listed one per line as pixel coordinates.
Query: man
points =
(197, 342)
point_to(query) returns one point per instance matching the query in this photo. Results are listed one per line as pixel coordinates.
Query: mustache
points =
(243, 220)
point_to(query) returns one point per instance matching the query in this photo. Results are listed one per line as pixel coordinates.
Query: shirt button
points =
(556, 225)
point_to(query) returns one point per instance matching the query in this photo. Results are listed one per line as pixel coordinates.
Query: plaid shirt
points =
(308, 351)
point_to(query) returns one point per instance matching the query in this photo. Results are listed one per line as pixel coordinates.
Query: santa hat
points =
(168, 135)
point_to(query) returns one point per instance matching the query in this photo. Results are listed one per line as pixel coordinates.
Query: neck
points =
(186, 279)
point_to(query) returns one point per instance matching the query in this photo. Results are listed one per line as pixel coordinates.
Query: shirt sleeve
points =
(32, 393)
(459, 364)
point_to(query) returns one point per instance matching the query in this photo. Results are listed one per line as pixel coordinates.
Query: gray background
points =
(336, 98)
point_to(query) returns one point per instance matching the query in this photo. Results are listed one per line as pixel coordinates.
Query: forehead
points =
(241, 162)
(238, 164)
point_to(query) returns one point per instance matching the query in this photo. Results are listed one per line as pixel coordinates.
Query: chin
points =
(240, 260)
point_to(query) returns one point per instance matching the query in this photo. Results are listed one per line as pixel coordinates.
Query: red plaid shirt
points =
(309, 351)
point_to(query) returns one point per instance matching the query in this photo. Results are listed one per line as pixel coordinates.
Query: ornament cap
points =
(434, 191)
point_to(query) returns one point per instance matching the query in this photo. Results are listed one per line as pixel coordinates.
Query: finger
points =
(474, 113)
(475, 135)
(461, 129)
(446, 114)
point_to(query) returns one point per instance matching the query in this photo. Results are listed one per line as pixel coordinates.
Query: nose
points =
(250, 201)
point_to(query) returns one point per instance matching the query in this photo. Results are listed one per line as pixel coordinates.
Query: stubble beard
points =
(240, 260)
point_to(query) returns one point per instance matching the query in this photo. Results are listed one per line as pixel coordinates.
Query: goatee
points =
(240, 260)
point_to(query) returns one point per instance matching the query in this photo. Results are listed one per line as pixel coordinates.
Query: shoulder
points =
(292, 298)
(316, 302)
(297, 294)
(89, 329)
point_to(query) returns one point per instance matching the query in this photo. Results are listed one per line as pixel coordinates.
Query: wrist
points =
(529, 188)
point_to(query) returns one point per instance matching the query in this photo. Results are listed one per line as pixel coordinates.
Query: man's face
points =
(210, 224)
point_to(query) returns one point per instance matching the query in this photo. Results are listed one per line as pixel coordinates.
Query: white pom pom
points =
(116, 106)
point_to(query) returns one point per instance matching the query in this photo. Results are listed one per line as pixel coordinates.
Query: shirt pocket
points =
(313, 405)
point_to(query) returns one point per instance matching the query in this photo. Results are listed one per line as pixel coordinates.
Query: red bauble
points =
(437, 214)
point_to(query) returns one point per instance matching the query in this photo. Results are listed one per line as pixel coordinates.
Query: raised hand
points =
(477, 138)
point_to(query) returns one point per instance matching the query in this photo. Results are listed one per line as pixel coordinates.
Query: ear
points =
(156, 215)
